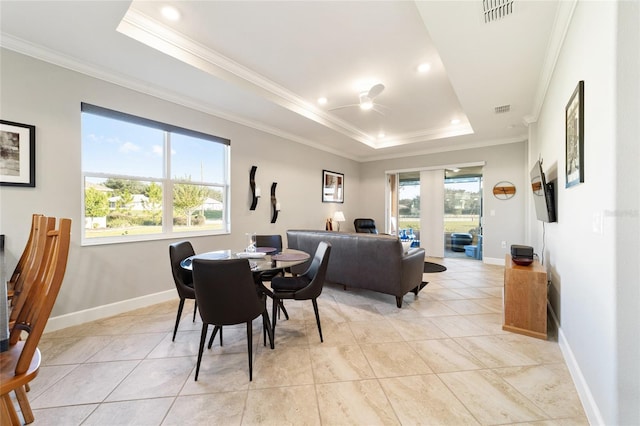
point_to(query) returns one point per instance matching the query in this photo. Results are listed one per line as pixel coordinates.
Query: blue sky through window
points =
(118, 147)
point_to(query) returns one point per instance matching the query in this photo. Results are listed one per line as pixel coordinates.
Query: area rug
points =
(433, 267)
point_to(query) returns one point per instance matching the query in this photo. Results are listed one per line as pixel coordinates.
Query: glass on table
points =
(251, 242)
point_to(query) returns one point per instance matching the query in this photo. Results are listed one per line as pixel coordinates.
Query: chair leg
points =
(250, 348)
(216, 328)
(8, 413)
(195, 309)
(175, 329)
(203, 338)
(274, 315)
(399, 301)
(315, 309)
(284, 310)
(266, 326)
(25, 407)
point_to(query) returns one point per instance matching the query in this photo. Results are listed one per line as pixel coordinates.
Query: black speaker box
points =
(521, 255)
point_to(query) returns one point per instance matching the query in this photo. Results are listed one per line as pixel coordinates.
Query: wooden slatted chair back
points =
(39, 301)
(27, 253)
(32, 265)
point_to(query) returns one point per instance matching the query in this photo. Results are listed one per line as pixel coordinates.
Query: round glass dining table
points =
(260, 261)
(263, 260)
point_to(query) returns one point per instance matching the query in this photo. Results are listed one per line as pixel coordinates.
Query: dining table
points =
(263, 259)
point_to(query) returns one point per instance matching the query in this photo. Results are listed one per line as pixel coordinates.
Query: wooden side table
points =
(525, 299)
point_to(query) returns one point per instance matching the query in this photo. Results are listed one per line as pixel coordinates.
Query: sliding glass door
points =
(430, 206)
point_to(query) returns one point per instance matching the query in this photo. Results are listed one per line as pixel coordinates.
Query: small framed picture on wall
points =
(332, 187)
(574, 137)
(17, 154)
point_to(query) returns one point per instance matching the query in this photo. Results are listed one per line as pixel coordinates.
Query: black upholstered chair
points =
(274, 241)
(365, 226)
(182, 278)
(303, 287)
(226, 294)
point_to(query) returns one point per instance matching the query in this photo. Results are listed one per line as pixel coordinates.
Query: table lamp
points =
(339, 217)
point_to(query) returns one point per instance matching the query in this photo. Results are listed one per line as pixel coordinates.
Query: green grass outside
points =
(145, 230)
(452, 225)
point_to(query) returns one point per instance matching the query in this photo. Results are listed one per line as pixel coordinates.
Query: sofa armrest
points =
(412, 269)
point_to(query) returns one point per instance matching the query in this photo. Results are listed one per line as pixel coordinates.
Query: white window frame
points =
(166, 182)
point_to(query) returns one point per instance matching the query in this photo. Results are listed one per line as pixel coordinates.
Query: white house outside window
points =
(143, 179)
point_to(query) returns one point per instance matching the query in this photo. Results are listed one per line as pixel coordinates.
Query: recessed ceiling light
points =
(170, 13)
(422, 68)
(455, 121)
(322, 100)
(381, 135)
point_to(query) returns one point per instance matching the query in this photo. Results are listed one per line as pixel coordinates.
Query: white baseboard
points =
(584, 393)
(105, 311)
(493, 261)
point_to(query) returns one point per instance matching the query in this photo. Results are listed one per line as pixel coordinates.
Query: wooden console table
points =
(525, 299)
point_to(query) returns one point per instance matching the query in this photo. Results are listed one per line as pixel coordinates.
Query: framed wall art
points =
(332, 187)
(17, 154)
(574, 137)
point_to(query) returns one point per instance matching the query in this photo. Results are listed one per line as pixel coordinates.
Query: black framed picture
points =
(17, 154)
(332, 187)
(574, 137)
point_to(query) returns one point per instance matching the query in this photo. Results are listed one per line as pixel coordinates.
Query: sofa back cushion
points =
(358, 260)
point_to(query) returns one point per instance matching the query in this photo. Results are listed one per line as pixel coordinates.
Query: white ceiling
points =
(265, 63)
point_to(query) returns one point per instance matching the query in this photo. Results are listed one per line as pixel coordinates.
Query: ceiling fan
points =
(366, 99)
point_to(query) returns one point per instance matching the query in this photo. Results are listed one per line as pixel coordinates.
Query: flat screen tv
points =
(543, 194)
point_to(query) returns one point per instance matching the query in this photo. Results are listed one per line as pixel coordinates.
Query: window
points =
(143, 179)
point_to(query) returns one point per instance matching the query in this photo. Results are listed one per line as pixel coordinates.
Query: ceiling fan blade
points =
(375, 90)
(343, 106)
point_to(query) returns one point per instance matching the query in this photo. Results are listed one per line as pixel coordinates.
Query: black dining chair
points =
(303, 287)
(274, 241)
(226, 294)
(183, 279)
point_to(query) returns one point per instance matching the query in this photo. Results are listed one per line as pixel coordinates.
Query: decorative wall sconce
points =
(255, 190)
(275, 205)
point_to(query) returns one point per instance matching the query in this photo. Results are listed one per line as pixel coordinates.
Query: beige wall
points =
(502, 162)
(47, 96)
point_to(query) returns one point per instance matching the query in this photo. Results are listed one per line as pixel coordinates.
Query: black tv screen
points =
(543, 197)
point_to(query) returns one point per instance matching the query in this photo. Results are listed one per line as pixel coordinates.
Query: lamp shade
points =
(339, 217)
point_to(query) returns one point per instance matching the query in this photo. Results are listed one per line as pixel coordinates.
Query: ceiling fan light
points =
(366, 105)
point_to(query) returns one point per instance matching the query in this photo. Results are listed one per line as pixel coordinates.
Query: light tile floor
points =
(442, 359)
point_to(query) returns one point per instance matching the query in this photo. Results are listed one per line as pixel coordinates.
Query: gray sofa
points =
(368, 261)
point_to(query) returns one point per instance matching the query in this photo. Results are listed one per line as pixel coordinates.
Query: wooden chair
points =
(20, 364)
(26, 258)
(28, 273)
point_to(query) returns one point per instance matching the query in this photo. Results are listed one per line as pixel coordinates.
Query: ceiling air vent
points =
(502, 109)
(496, 9)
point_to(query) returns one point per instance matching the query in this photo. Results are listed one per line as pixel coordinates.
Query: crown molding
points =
(558, 34)
(441, 149)
(55, 58)
(146, 30)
